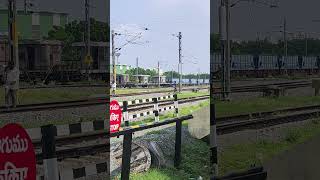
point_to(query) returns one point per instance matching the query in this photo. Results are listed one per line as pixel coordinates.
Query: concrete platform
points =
(300, 163)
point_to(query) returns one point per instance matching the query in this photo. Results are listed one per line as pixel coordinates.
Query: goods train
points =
(268, 65)
(43, 60)
(167, 83)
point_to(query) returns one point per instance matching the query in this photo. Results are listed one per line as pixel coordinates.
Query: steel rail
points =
(225, 125)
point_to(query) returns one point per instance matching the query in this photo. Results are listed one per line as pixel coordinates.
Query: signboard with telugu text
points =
(17, 156)
(115, 116)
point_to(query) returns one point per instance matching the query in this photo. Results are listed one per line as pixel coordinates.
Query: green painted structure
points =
(34, 25)
(120, 68)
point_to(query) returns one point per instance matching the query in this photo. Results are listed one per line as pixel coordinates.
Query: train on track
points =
(168, 83)
(269, 65)
(49, 60)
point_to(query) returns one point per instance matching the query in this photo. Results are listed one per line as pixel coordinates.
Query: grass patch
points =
(259, 104)
(137, 90)
(33, 96)
(242, 156)
(195, 162)
(192, 94)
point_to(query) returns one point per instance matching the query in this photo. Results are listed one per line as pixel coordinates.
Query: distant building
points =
(155, 79)
(34, 25)
(142, 79)
(121, 71)
(99, 53)
(120, 68)
(34, 54)
(156, 70)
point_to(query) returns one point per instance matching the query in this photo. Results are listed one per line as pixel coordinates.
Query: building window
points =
(35, 19)
(36, 31)
(56, 20)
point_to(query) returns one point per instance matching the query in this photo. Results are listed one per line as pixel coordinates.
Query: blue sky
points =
(163, 18)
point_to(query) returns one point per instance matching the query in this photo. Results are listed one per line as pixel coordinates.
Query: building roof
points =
(141, 75)
(38, 12)
(34, 42)
(92, 43)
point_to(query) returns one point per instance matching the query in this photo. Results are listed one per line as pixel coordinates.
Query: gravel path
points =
(65, 116)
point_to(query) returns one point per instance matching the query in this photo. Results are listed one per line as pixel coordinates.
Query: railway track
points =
(259, 88)
(95, 142)
(156, 92)
(77, 86)
(101, 101)
(90, 102)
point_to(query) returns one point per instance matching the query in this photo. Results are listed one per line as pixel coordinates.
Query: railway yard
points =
(158, 90)
(251, 115)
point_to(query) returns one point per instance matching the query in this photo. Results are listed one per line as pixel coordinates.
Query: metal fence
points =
(268, 62)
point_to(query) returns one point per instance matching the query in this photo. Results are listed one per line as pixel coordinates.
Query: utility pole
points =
(228, 50)
(137, 70)
(88, 58)
(172, 76)
(12, 33)
(306, 39)
(285, 42)
(180, 62)
(25, 6)
(159, 74)
(222, 33)
(113, 52)
(198, 76)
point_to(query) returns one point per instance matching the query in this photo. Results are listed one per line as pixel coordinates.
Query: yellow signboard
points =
(88, 59)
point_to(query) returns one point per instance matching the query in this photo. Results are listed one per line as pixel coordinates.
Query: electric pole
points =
(25, 6)
(88, 58)
(285, 42)
(180, 62)
(12, 35)
(228, 50)
(114, 83)
(137, 70)
(222, 33)
(306, 39)
(159, 74)
(172, 76)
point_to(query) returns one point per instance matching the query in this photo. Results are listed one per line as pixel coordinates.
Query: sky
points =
(250, 20)
(163, 18)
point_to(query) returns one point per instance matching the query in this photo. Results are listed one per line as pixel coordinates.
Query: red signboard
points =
(17, 156)
(115, 116)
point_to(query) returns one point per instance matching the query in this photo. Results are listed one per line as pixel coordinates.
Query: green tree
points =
(142, 71)
(74, 32)
(169, 74)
